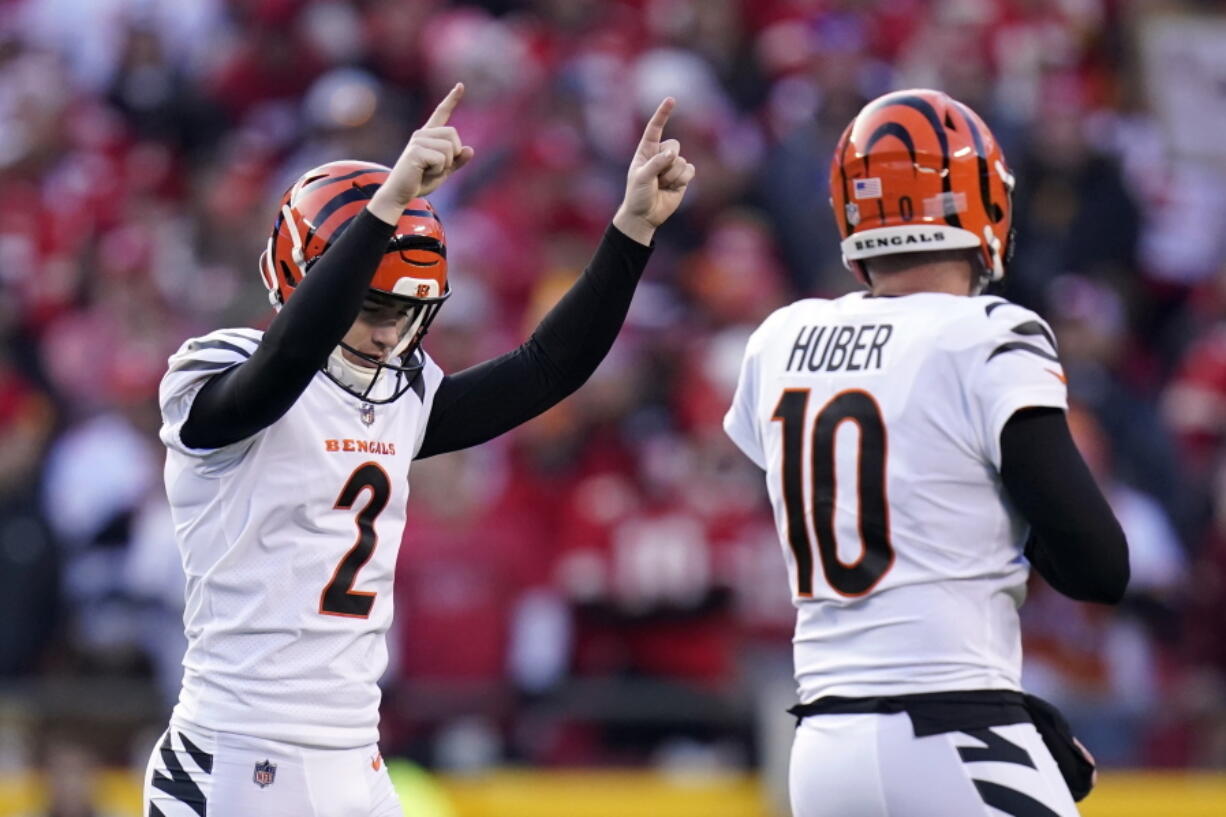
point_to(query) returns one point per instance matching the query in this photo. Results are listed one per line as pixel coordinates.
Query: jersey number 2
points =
(339, 598)
(876, 552)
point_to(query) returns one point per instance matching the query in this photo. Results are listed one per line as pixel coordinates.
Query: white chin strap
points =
(352, 375)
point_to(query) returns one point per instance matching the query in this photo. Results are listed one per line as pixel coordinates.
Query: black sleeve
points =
(1076, 543)
(254, 394)
(490, 398)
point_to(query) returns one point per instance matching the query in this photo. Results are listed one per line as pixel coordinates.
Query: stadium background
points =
(591, 611)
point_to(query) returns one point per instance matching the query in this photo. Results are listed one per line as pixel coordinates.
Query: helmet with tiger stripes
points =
(412, 274)
(919, 171)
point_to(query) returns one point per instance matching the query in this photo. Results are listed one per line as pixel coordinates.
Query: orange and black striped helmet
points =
(916, 171)
(413, 272)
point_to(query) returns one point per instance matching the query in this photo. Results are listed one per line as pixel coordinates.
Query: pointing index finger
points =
(443, 112)
(655, 126)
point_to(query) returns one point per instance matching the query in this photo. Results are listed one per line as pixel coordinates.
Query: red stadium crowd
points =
(604, 584)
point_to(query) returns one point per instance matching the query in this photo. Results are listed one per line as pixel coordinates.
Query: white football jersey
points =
(289, 541)
(878, 421)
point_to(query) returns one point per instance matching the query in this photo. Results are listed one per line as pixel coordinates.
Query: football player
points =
(288, 460)
(917, 455)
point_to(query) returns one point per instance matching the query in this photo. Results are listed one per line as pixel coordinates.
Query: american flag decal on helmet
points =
(867, 188)
(265, 773)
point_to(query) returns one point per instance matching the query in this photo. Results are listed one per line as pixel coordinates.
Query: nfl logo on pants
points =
(265, 773)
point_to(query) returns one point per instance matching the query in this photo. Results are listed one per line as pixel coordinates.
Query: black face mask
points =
(406, 366)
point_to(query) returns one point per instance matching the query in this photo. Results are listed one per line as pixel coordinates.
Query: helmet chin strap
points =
(356, 377)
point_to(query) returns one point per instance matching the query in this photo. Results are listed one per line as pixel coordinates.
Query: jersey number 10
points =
(876, 552)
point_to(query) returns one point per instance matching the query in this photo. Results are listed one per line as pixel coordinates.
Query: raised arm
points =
(252, 395)
(486, 400)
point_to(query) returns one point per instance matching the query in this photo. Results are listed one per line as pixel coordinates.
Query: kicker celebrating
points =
(288, 453)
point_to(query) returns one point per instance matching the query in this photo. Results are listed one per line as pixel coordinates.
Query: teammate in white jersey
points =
(288, 455)
(916, 454)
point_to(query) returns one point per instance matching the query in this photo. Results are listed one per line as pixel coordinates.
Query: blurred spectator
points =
(98, 475)
(268, 60)
(474, 561)
(474, 548)
(156, 95)
(29, 562)
(1074, 213)
(188, 29)
(1106, 373)
(1194, 404)
(1202, 703)
(154, 584)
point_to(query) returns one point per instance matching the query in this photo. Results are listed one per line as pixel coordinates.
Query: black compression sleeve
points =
(486, 400)
(254, 394)
(1076, 543)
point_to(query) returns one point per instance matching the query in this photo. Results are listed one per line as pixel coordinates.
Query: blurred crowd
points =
(602, 585)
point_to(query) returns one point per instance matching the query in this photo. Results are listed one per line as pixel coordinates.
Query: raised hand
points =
(433, 153)
(656, 181)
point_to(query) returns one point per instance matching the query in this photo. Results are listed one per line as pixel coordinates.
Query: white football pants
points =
(196, 773)
(873, 766)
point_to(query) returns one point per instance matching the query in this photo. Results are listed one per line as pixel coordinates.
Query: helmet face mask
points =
(918, 171)
(402, 363)
(411, 276)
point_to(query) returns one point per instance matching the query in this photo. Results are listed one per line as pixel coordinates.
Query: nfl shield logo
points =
(265, 773)
(368, 413)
